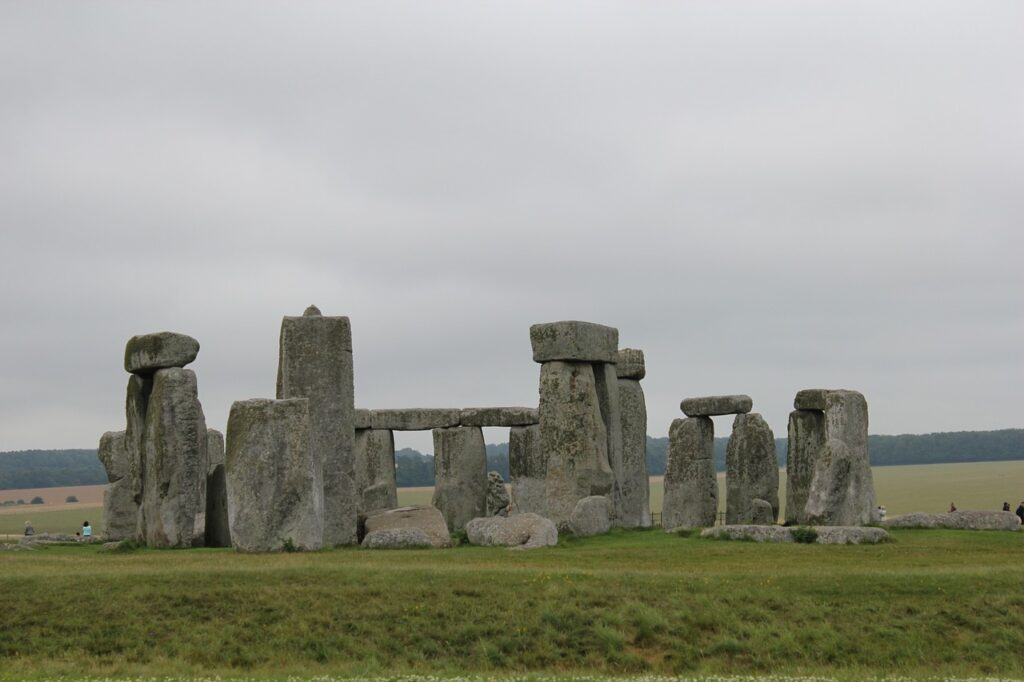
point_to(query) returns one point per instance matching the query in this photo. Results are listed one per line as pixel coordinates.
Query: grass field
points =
(930, 603)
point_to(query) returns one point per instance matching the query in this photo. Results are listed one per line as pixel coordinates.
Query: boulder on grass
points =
(397, 538)
(517, 531)
(591, 516)
(429, 520)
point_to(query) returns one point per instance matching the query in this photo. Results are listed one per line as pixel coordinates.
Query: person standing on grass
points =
(1020, 512)
(29, 530)
(86, 531)
(952, 507)
(1006, 506)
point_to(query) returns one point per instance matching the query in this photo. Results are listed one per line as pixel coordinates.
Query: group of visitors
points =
(1019, 512)
(83, 534)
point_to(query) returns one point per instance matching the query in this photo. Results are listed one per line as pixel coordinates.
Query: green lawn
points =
(929, 603)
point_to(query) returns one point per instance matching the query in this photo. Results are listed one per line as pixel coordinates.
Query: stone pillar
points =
(120, 507)
(752, 469)
(274, 481)
(806, 436)
(635, 505)
(375, 470)
(526, 468)
(316, 363)
(218, 533)
(460, 474)
(691, 485)
(607, 384)
(575, 436)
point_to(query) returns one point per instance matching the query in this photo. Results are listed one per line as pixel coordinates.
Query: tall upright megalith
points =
(634, 499)
(806, 433)
(218, 533)
(120, 503)
(752, 469)
(691, 485)
(527, 469)
(460, 474)
(315, 363)
(375, 469)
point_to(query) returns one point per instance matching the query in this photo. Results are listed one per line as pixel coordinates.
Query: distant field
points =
(86, 494)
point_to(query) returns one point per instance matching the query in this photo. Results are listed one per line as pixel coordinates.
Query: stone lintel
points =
(415, 418)
(716, 405)
(574, 341)
(499, 416)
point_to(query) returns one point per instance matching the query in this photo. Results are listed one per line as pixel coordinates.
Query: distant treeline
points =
(51, 468)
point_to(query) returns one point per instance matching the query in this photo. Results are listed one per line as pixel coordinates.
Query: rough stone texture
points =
(499, 416)
(315, 362)
(397, 538)
(762, 513)
(691, 484)
(827, 535)
(218, 532)
(811, 399)
(752, 469)
(497, 495)
(635, 510)
(415, 419)
(850, 535)
(527, 469)
(274, 481)
(630, 364)
(962, 520)
(591, 516)
(55, 539)
(715, 405)
(427, 519)
(607, 385)
(574, 440)
(517, 531)
(574, 341)
(150, 352)
(460, 474)
(806, 437)
(361, 419)
(375, 470)
(842, 492)
(175, 462)
(120, 507)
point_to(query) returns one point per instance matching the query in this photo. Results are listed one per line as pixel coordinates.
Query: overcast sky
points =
(762, 196)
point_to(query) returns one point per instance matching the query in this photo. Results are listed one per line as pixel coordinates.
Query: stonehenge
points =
(460, 474)
(635, 504)
(691, 485)
(752, 469)
(527, 468)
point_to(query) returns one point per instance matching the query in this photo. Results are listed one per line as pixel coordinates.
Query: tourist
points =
(881, 512)
(1006, 506)
(29, 530)
(86, 531)
(1020, 512)
(952, 507)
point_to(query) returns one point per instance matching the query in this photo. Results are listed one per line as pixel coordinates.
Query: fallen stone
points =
(397, 538)
(516, 531)
(361, 419)
(752, 469)
(375, 470)
(961, 520)
(427, 519)
(274, 482)
(217, 532)
(415, 419)
(497, 503)
(762, 513)
(591, 516)
(574, 341)
(630, 364)
(635, 507)
(716, 405)
(113, 546)
(120, 504)
(691, 484)
(9, 547)
(161, 350)
(527, 469)
(55, 539)
(806, 438)
(827, 535)
(749, 532)
(460, 474)
(499, 416)
(850, 535)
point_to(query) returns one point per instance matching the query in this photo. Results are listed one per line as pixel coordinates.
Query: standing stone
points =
(274, 481)
(527, 469)
(174, 448)
(761, 512)
(607, 385)
(136, 405)
(574, 440)
(460, 474)
(497, 495)
(806, 437)
(120, 508)
(691, 485)
(635, 506)
(842, 491)
(218, 533)
(316, 363)
(752, 469)
(375, 470)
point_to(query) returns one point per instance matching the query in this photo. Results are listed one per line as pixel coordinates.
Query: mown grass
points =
(929, 603)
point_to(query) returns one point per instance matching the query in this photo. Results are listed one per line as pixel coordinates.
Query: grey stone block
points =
(527, 469)
(752, 469)
(762, 512)
(591, 516)
(967, 519)
(149, 352)
(716, 405)
(361, 419)
(375, 470)
(630, 364)
(811, 399)
(415, 419)
(691, 484)
(120, 506)
(516, 531)
(607, 385)
(460, 474)
(428, 519)
(635, 511)
(499, 416)
(497, 495)
(218, 533)
(397, 538)
(806, 437)
(574, 341)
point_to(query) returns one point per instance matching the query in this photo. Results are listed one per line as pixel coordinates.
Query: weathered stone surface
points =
(361, 419)
(397, 538)
(635, 510)
(842, 492)
(415, 419)
(806, 437)
(749, 532)
(716, 405)
(607, 385)
(850, 535)
(218, 532)
(499, 416)
(516, 531)
(375, 470)
(315, 362)
(527, 469)
(574, 439)
(174, 452)
(574, 341)
(149, 352)
(120, 507)
(460, 474)
(497, 495)
(427, 519)
(752, 469)
(827, 535)
(691, 484)
(811, 399)
(274, 481)
(630, 364)
(761, 512)
(591, 516)
(962, 520)
(54, 539)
